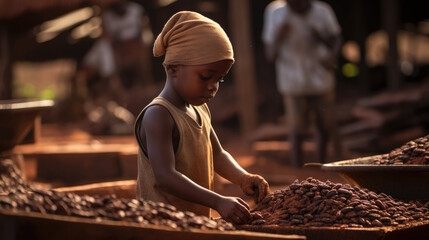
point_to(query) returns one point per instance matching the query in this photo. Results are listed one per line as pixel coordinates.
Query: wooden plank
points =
(122, 189)
(410, 231)
(128, 165)
(74, 162)
(363, 141)
(270, 131)
(21, 225)
(389, 99)
(369, 114)
(83, 147)
(321, 233)
(78, 168)
(262, 146)
(359, 127)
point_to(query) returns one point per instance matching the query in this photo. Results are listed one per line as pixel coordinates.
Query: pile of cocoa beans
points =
(315, 203)
(109, 208)
(17, 193)
(10, 177)
(415, 152)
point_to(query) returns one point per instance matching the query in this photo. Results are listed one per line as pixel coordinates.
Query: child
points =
(178, 148)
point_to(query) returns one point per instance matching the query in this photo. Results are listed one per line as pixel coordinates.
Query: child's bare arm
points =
(225, 165)
(158, 129)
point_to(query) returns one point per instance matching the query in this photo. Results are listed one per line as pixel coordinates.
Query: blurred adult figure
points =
(118, 60)
(120, 49)
(303, 38)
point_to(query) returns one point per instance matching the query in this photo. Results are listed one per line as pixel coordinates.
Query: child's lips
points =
(208, 98)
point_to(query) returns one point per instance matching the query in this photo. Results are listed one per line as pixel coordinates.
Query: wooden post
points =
(5, 64)
(243, 69)
(390, 21)
(360, 33)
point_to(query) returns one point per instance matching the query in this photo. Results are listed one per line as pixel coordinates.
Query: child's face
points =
(199, 84)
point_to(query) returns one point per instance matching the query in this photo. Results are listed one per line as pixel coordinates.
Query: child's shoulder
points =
(156, 113)
(157, 120)
(156, 105)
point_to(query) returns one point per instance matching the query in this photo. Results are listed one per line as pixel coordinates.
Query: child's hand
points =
(255, 186)
(234, 210)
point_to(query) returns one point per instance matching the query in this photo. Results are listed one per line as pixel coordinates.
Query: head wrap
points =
(189, 38)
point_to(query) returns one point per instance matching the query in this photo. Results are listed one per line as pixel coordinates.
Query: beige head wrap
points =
(189, 38)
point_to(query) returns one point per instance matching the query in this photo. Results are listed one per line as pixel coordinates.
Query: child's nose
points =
(213, 86)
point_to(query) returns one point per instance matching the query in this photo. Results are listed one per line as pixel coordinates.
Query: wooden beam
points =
(360, 34)
(243, 70)
(390, 14)
(5, 64)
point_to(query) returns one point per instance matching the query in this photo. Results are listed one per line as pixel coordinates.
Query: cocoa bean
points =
(347, 209)
(258, 222)
(401, 219)
(385, 220)
(376, 223)
(355, 225)
(293, 211)
(331, 193)
(345, 191)
(350, 214)
(374, 216)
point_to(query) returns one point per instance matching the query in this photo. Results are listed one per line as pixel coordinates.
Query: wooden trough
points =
(19, 225)
(408, 182)
(126, 189)
(24, 225)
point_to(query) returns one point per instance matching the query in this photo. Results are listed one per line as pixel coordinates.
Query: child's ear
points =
(171, 70)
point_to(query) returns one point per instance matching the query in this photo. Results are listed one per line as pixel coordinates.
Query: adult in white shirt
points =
(303, 38)
(121, 23)
(121, 46)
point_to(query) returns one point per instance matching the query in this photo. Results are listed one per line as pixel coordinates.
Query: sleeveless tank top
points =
(194, 157)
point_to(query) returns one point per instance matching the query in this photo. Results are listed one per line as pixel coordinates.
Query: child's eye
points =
(204, 78)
